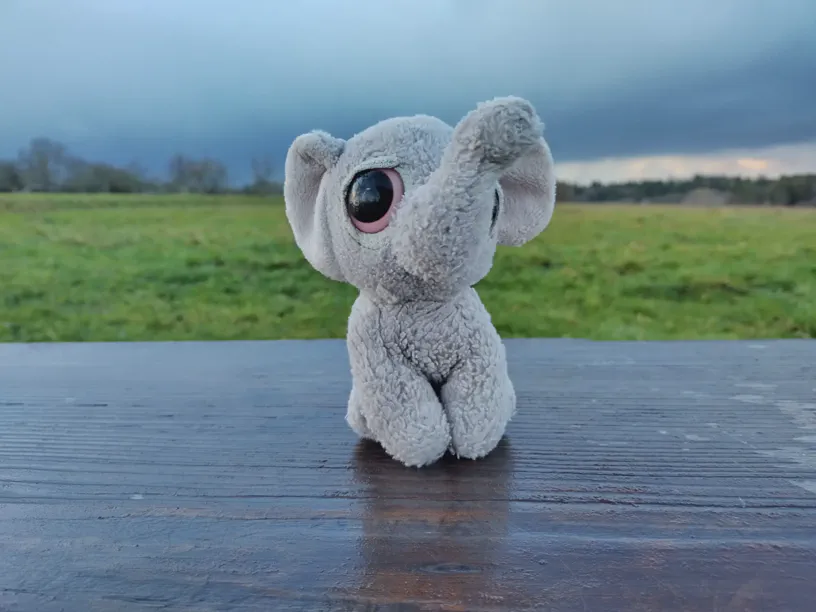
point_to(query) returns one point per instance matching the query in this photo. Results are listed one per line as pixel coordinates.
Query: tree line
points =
(791, 190)
(48, 166)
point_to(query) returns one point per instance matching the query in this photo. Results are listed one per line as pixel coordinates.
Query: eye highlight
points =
(371, 197)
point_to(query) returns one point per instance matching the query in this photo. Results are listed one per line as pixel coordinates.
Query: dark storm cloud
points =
(769, 102)
(142, 80)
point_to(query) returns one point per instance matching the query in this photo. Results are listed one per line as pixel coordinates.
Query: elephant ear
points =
(308, 160)
(529, 196)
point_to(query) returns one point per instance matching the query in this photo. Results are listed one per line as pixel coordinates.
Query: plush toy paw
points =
(354, 415)
(400, 410)
(480, 401)
(418, 444)
(418, 437)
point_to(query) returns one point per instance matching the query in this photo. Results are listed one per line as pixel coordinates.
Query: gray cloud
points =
(141, 80)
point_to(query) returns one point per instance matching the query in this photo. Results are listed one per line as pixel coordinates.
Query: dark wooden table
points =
(222, 476)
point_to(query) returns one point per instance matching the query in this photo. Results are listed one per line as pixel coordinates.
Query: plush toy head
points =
(412, 208)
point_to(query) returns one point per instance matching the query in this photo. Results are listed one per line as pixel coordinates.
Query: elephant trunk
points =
(446, 232)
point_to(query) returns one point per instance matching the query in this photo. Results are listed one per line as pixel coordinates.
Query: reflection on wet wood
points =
(221, 476)
(448, 551)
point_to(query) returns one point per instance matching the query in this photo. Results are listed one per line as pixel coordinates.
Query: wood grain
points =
(222, 476)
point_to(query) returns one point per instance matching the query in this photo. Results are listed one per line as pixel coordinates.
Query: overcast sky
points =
(625, 88)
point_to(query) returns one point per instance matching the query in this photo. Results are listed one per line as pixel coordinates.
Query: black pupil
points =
(370, 196)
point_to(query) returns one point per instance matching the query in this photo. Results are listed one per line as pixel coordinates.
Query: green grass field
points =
(100, 268)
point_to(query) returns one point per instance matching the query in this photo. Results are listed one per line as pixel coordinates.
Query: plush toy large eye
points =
(371, 198)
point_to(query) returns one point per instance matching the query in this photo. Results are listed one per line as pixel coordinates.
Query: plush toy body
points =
(410, 212)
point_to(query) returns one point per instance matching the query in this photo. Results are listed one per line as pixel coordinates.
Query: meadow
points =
(108, 267)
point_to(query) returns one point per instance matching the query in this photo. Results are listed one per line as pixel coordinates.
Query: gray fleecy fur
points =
(428, 368)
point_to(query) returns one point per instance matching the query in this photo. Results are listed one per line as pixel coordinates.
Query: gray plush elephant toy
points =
(409, 212)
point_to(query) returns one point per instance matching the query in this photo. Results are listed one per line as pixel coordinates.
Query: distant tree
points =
(88, 177)
(262, 172)
(198, 175)
(262, 169)
(565, 192)
(44, 165)
(10, 178)
(146, 182)
(179, 170)
(793, 190)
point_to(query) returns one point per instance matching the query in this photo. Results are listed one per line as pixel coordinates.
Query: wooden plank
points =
(221, 476)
